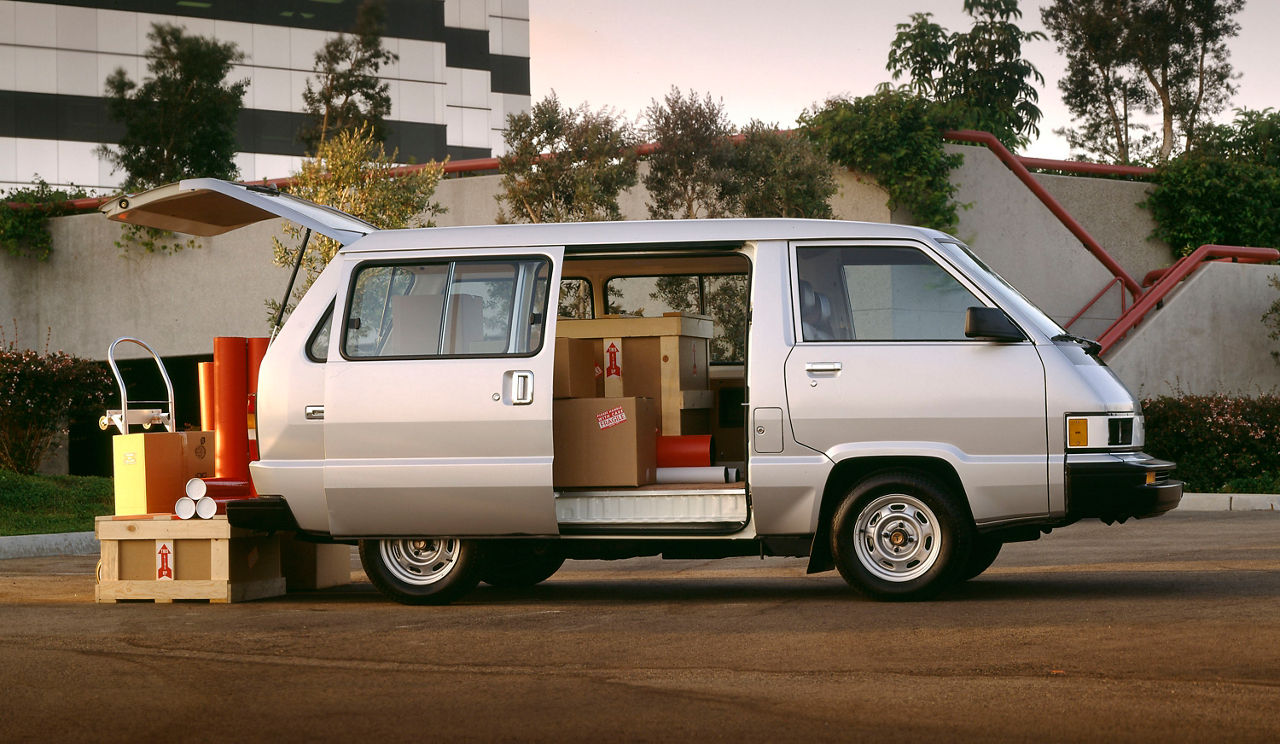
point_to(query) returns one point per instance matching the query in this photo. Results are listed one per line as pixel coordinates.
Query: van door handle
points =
(822, 367)
(313, 413)
(522, 387)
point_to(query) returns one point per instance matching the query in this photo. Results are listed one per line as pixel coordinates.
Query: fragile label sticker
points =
(611, 417)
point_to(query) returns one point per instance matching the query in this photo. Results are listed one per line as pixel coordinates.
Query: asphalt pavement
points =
(1158, 630)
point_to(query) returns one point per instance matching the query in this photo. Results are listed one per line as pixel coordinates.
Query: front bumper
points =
(1116, 487)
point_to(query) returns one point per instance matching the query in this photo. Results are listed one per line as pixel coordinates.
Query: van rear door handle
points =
(313, 413)
(822, 367)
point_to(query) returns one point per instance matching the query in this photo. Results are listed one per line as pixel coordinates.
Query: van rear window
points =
(723, 297)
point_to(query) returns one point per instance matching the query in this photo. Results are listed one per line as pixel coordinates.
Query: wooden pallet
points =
(161, 558)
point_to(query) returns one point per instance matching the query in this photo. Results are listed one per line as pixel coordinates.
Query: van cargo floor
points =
(658, 509)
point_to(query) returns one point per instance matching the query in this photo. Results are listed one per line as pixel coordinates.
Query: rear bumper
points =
(266, 513)
(1116, 487)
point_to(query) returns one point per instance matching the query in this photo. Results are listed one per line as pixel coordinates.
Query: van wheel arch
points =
(848, 473)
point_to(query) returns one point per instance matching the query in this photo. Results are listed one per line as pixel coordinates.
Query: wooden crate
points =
(162, 558)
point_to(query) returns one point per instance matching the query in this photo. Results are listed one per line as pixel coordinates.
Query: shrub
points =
(896, 138)
(40, 394)
(1217, 440)
(24, 231)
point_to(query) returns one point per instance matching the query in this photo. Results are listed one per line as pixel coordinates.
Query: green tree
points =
(982, 70)
(345, 92)
(1227, 191)
(565, 165)
(895, 137)
(353, 172)
(781, 174)
(180, 122)
(1101, 88)
(1165, 56)
(690, 173)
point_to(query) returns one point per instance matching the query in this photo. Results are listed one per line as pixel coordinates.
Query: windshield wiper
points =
(1091, 347)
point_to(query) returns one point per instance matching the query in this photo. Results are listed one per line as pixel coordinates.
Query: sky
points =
(770, 60)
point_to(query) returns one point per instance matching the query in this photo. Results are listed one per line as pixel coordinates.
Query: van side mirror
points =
(990, 324)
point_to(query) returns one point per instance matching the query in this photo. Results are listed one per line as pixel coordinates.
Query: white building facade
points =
(463, 66)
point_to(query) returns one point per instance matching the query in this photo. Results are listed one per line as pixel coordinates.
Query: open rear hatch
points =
(210, 206)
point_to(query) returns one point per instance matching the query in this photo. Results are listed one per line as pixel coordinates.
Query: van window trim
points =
(928, 251)
(326, 318)
(449, 260)
(591, 293)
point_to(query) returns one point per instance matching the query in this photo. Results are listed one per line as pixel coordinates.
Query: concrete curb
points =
(1230, 502)
(39, 546)
(84, 543)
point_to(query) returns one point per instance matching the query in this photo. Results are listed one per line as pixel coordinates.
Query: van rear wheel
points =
(901, 536)
(425, 570)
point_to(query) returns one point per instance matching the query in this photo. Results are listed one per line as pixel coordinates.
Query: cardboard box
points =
(151, 469)
(604, 442)
(575, 370)
(308, 565)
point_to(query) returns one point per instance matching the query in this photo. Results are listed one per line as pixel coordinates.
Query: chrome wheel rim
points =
(897, 538)
(422, 561)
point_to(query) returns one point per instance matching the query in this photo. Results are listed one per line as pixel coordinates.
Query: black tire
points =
(519, 564)
(981, 556)
(901, 536)
(427, 570)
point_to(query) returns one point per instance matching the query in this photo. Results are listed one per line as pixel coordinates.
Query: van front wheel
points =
(901, 536)
(425, 570)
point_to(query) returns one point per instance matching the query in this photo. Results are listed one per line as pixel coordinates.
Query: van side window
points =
(448, 309)
(886, 293)
(575, 299)
(318, 344)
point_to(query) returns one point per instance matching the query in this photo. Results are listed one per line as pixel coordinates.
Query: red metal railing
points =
(1180, 270)
(1106, 288)
(1013, 163)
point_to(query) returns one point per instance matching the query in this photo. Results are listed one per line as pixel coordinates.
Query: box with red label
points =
(604, 442)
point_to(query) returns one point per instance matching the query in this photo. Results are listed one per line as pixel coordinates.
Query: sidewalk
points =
(84, 543)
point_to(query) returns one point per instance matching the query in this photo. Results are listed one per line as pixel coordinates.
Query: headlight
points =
(1102, 431)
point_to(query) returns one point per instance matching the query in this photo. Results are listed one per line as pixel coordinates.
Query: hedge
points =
(1220, 443)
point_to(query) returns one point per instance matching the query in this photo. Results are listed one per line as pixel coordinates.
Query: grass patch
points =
(38, 504)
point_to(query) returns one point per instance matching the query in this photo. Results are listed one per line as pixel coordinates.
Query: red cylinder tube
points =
(198, 488)
(687, 451)
(231, 434)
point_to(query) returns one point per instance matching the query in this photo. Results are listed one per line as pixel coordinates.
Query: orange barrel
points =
(687, 451)
(257, 350)
(198, 488)
(231, 400)
(204, 372)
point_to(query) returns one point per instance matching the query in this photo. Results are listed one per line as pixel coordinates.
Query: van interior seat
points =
(815, 314)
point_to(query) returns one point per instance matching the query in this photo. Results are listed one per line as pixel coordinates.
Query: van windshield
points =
(1009, 295)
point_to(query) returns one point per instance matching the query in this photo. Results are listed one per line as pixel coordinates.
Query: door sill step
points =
(667, 511)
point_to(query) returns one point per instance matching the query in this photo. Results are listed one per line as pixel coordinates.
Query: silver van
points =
(883, 403)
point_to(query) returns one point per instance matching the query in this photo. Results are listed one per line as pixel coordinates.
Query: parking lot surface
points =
(1163, 630)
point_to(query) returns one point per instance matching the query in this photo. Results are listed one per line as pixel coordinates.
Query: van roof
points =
(578, 237)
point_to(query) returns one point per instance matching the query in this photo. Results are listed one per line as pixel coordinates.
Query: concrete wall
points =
(1208, 337)
(1020, 238)
(88, 293)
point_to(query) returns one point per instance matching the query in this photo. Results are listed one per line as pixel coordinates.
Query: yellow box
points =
(151, 469)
